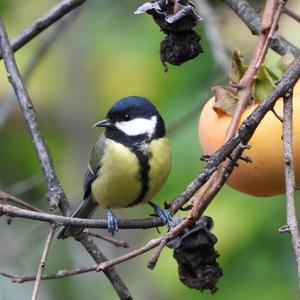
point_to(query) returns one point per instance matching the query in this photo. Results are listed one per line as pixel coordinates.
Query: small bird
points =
(128, 165)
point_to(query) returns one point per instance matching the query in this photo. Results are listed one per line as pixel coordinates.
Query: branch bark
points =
(43, 262)
(290, 177)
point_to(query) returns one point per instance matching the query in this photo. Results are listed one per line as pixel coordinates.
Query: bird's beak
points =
(103, 123)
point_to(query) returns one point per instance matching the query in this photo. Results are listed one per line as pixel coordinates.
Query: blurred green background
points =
(106, 53)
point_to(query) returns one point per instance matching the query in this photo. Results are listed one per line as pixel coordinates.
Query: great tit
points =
(128, 165)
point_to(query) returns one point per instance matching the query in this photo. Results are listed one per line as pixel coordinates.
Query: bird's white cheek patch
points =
(138, 126)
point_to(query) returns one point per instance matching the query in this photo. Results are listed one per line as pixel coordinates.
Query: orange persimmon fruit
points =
(265, 175)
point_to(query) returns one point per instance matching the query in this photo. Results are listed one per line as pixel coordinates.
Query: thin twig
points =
(269, 22)
(117, 243)
(43, 262)
(53, 15)
(60, 274)
(276, 115)
(10, 198)
(270, 27)
(291, 14)
(112, 262)
(290, 177)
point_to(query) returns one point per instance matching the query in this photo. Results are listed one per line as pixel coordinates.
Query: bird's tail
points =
(85, 210)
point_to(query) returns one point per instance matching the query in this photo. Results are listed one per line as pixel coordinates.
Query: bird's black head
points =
(133, 119)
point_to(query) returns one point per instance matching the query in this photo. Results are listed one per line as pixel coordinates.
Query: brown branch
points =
(292, 14)
(270, 26)
(117, 243)
(290, 177)
(60, 274)
(269, 22)
(249, 16)
(148, 246)
(53, 15)
(10, 198)
(43, 262)
(56, 195)
(276, 115)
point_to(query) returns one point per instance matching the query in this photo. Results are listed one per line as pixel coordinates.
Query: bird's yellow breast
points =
(119, 182)
(160, 164)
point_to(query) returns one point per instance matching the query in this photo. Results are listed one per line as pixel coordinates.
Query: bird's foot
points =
(112, 222)
(163, 214)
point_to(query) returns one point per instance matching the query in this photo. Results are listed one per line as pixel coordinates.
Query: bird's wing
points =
(88, 205)
(94, 166)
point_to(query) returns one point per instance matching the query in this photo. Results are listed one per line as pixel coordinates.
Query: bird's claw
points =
(163, 214)
(112, 223)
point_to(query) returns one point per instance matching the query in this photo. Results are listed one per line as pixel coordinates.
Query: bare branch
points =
(249, 16)
(290, 177)
(60, 274)
(268, 25)
(115, 242)
(53, 15)
(150, 245)
(292, 14)
(43, 262)
(10, 198)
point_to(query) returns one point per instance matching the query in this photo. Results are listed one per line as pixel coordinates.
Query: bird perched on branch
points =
(128, 165)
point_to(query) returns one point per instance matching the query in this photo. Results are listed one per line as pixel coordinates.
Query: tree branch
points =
(10, 198)
(43, 262)
(60, 274)
(53, 15)
(292, 14)
(117, 243)
(290, 177)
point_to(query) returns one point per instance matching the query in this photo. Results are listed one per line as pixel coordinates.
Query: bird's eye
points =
(126, 117)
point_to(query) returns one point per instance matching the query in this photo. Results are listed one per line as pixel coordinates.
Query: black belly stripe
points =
(144, 175)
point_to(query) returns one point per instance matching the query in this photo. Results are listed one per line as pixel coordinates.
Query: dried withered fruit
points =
(196, 257)
(176, 18)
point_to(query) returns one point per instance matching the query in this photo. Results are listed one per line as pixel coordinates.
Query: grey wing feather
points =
(88, 205)
(94, 166)
(89, 176)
